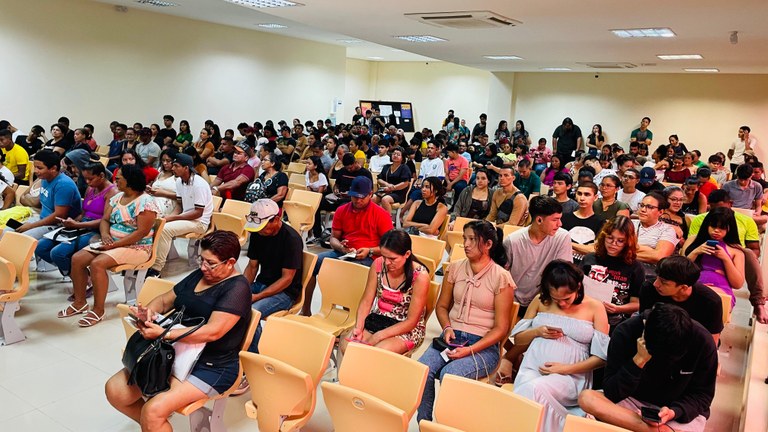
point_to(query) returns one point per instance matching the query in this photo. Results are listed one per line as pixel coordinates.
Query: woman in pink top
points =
(474, 310)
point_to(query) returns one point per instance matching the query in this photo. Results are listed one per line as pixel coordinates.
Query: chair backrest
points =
(18, 249)
(309, 348)
(370, 370)
(582, 424)
(342, 284)
(509, 229)
(152, 288)
(217, 202)
(236, 208)
(428, 263)
(297, 178)
(20, 190)
(743, 211)
(444, 227)
(459, 222)
(544, 191)
(488, 404)
(307, 197)
(297, 167)
(432, 294)
(430, 248)
(308, 262)
(457, 253)
(228, 222)
(159, 226)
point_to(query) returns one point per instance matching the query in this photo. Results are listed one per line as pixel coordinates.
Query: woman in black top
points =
(59, 143)
(595, 140)
(427, 215)
(221, 295)
(393, 181)
(272, 183)
(475, 201)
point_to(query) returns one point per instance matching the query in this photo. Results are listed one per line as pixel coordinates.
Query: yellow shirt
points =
(14, 158)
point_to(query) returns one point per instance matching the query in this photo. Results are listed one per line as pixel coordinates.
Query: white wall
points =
(84, 60)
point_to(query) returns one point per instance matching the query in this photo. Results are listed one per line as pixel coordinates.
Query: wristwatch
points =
(370, 253)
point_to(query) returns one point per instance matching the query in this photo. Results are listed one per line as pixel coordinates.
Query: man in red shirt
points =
(232, 180)
(357, 229)
(706, 186)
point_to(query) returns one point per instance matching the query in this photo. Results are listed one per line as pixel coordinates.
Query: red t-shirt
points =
(707, 188)
(226, 173)
(362, 228)
(454, 166)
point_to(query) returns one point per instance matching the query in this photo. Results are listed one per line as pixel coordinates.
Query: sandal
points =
(64, 313)
(500, 379)
(90, 319)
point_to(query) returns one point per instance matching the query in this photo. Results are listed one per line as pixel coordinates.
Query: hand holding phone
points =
(650, 414)
(13, 224)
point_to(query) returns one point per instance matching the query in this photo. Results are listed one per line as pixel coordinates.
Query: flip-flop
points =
(500, 379)
(90, 319)
(63, 313)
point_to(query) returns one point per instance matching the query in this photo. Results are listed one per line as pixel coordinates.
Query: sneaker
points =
(44, 266)
(313, 241)
(242, 388)
(153, 273)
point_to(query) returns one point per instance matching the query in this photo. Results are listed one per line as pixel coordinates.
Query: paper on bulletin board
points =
(386, 110)
(397, 114)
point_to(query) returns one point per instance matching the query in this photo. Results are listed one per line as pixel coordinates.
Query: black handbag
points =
(150, 362)
(376, 322)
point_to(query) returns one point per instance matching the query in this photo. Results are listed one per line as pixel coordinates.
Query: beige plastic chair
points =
(103, 159)
(367, 398)
(457, 254)
(342, 284)
(428, 263)
(512, 321)
(428, 426)
(308, 265)
(509, 229)
(398, 207)
(490, 407)
(284, 376)
(136, 274)
(726, 300)
(102, 151)
(301, 208)
(15, 254)
(202, 418)
(456, 235)
(581, 424)
(427, 247)
(544, 191)
(20, 190)
(228, 222)
(217, 202)
(152, 288)
(237, 208)
(298, 179)
(747, 212)
(296, 167)
(432, 294)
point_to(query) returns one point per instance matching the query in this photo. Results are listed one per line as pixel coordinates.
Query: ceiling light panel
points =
(349, 41)
(272, 26)
(556, 69)
(644, 33)
(261, 4)
(157, 3)
(375, 58)
(503, 57)
(703, 70)
(420, 38)
(680, 56)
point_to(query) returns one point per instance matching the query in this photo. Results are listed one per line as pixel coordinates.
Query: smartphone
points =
(553, 328)
(650, 414)
(453, 345)
(712, 243)
(13, 223)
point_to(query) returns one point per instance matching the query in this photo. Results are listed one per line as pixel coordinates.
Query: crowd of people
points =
(665, 231)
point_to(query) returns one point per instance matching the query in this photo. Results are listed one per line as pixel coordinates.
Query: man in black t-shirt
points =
(167, 135)
(676, 283)
(566, 139)
(275, 253)
(583, 225)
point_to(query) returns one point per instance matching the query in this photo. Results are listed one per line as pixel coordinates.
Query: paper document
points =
(598, 290)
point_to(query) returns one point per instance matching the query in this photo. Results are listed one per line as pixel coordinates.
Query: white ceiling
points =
(553, 33)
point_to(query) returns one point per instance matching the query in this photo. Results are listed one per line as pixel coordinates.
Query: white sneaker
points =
(44, 266)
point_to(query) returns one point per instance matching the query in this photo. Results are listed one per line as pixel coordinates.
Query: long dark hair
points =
(399, 242)
(719, 217)
(139, 161)
(558, 274)
(318, 164)
(485, 231)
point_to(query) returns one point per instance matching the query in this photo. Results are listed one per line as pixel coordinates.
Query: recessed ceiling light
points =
(420, 38)
(375, 58)
(272, 26)
(680, 56)
(710, 70)
(259, 4)
(503, 57)
(158, 3)
(350, 41)
(556, 69)
(644, 33)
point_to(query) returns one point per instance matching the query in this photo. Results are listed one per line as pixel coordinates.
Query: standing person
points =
(567, 337)
(566, 139)
(508, 204)
(744, 145)
(642, 134)
(474, 202)
(595, 140)
(615, 262)
(607, 206)
(629, 194)
(473, 311)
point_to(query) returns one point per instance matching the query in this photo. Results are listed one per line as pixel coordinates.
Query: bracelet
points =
(447, 327)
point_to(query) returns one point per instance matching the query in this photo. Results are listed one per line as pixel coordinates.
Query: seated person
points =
(508, 204)
(677, 173)
(127, 231)
(378, 161)
(655, 238)
(583, 225)
(394, 181)
(629, 194)
(7, 191)
(200, 166)
(275, 254)
(432, 166)
(707, 184)
(392, 309)
(674, 215)
(526, 180)
(130, 157)
(567, 337)
(232, 180)
(221, 157)
(607, 206)
(643, 351)
(548, 175)
(648, 181)
(427, 215)
(677, 283)
(561, 185)
(146, 149)
(196, 203)
(457, 170)
(695, 202)
(216, 292)
(164, 186)
(344, 177)
(272, 183)
(16, 158)
(474, 312)
(614, 262)
(357, 228)
(722, 265)
(746, 193)
(100, 191)
(475, 201)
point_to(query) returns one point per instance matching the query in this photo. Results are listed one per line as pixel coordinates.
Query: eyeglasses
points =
(604, 185)
(203, 263)
(254, 218)
(675, 199)
(647, 206)
(630, 177)
(616, 241)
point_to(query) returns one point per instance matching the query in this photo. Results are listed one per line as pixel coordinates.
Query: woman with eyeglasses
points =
(220, 294)
(271, 183)
(607, 206)
(615, 262)
(674, 215)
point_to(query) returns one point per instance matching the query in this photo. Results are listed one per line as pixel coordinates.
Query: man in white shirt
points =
(379, 160)
(655, 239)
(745, 144)
(196, 200)
(629, 194)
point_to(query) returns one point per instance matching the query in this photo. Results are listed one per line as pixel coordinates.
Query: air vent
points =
(608, 65)
(464, 20)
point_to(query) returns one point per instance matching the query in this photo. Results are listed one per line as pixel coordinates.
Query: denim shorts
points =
(214, 380)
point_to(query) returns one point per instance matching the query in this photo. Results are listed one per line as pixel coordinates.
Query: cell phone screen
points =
(650, 414)
(13, 223)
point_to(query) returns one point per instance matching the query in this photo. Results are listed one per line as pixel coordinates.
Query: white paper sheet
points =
(598, 290)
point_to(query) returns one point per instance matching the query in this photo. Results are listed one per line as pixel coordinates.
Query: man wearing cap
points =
(648, 181)
(232, 180)
(147, 149)
(196, 204)
(357, 229)
(275, 254)
(221, 157)
(286, 144)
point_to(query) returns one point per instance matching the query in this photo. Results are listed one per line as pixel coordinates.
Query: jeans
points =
(325, 205)
(332, 254)
(60, 254)
(472, 366)
(539, 168)
(457, 188)
(267, 306)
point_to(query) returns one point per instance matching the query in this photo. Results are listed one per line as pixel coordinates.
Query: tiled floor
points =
(53, 381)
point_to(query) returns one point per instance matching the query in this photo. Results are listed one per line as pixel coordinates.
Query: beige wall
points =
(87, 61)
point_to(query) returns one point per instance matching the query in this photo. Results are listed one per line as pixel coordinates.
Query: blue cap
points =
(361, 187)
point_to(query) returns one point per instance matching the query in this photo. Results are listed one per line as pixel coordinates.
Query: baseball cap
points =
(262, 211)
(361, 187)
(242, 146)
(185, 161)
(647, 175)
